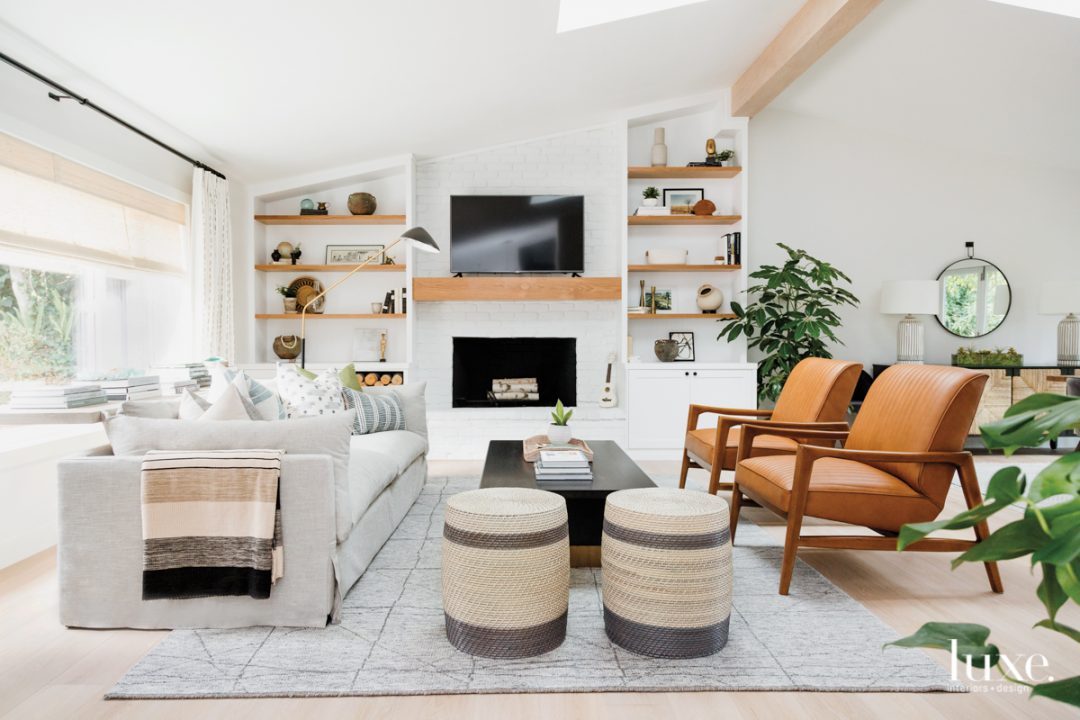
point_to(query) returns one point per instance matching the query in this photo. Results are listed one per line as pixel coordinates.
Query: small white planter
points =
(650, 202)
(559, 434)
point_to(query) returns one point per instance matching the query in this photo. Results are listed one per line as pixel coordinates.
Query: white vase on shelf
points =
(659, 149)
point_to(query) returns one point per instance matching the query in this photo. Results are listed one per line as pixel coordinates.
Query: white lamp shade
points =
(911, 297)
(1059, 298)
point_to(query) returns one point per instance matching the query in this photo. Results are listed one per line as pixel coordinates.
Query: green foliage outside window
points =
(37, 318)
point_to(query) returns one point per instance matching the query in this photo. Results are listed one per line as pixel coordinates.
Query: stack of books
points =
(185, 371)
(132, 388)
(56, 397)
(562, 464)
(178, 386)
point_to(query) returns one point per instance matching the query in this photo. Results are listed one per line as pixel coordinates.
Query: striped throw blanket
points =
(211, 523)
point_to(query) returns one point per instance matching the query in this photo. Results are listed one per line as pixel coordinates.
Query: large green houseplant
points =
(791, 316)
(1048, 532)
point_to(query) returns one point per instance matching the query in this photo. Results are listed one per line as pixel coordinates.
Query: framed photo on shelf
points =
(353, 254)
(665, 300)
(686, 345)
(681, 201)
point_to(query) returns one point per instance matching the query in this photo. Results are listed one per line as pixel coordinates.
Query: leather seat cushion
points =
(699, 443)
(841, 490)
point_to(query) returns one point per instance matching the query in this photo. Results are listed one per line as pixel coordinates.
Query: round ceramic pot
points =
(650, 202)
(559, 434)
(709, 298)
(666, 350)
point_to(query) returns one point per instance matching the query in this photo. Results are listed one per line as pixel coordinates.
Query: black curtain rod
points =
(68, 94)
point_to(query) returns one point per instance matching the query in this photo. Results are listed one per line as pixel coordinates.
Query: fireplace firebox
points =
(479, 363)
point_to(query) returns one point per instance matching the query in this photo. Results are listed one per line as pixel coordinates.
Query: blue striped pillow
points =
(267, 403)
(374, 413)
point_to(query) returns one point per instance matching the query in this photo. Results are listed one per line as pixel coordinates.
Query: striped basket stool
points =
(666, 558)
(506, 572)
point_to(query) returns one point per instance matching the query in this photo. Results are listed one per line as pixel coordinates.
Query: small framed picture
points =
(686, 345)
(664, 300)
(352, 254)
(681, 201)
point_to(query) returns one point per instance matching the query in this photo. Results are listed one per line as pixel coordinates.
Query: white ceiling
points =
(967, 74)
(277, 88)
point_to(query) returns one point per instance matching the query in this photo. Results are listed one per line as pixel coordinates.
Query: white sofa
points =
(335, 518)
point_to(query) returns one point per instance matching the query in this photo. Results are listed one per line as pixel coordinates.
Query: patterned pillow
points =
(374, 413)
(306, 398)
(268, 405)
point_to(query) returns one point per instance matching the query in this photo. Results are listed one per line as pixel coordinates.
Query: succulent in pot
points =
(288, 294)
(651, 196)
(559, 432)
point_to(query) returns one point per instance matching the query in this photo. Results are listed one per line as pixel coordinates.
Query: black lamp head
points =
(421, 239)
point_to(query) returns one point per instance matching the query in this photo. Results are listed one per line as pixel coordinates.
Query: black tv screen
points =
(517, 233)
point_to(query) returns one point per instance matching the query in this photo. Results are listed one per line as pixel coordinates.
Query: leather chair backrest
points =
(919, 408)
(817, 390)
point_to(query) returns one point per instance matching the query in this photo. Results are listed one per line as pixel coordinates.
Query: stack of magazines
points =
(56, 397)
(562, 464)
(185, 371)
(132, 388)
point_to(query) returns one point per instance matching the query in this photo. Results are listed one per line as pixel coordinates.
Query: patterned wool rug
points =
(391, 640)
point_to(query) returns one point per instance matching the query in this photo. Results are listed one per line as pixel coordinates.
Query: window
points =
(93, 271)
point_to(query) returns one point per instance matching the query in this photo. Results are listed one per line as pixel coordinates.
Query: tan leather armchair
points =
(896, 466)
(816, 395)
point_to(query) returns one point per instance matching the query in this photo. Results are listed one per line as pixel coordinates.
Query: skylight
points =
(577, 14)
(1058, 7)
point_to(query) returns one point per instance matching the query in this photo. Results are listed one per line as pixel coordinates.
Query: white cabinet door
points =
(658, 403)
(722, 388)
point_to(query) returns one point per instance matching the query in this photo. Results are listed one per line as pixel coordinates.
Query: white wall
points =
(882, 207)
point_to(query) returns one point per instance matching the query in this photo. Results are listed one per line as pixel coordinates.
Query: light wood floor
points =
(47, 671)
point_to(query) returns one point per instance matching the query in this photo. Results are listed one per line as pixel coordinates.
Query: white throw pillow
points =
(308, 398)
(192, 406)
(232, 405)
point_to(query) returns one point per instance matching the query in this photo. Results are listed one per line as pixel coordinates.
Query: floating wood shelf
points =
(330, 219)
(675, 173)
(326, 316)
(684, 268)
(679, 316)
(516, 288)
(281, 267)
(683, 219)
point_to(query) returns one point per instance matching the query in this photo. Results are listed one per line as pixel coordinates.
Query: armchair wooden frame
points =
(729, 418)
(807, 455)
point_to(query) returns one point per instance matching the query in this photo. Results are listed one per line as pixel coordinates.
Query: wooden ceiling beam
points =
(817, 26)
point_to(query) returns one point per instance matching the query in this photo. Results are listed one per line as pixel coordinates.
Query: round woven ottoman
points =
(666, 558)
(506, 572)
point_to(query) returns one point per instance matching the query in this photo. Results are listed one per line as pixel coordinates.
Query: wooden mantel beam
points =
(817, 26)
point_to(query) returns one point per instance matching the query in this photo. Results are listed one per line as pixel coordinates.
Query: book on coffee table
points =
(531, 447)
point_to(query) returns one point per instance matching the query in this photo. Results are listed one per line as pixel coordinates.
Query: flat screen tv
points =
(517, 233)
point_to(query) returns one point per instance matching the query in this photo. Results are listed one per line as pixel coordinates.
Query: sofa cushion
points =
(402, 446)
(374, 413)
(164, 409)
(308, 436)
(412, 400)
(370, 473)
(305, 397)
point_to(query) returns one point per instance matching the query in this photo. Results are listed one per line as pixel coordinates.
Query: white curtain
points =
(212, 234)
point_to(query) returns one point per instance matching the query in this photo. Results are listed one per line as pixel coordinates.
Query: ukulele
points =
(607, 390)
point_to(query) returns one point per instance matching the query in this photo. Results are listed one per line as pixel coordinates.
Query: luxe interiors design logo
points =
(1019, 673)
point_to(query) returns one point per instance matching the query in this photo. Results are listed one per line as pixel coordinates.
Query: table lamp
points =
(1063, 298)
(910, 298)
(418, 237)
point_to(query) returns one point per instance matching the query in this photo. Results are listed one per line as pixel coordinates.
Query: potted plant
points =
(288, 293)
(792, 316)
(651, 196)
(727, 157)
(559, 432)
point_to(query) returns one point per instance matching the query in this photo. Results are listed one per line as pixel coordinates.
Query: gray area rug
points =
(391, 640)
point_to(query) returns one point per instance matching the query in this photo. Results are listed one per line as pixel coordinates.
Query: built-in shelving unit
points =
(330, 219)
(282, 267)
(331, 316)
(679, 316)
(683, 219)
(680, 173)
(684, 268)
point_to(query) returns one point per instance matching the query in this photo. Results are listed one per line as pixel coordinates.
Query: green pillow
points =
(347, 376)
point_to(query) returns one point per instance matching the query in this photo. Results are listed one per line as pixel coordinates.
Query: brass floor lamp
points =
(418, 237)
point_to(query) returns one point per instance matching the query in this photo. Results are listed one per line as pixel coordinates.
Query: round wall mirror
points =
(975, 297)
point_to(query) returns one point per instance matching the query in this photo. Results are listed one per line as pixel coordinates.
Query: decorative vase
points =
(709, 299)
(659, 149)
(362, 203)
(559, 434)
(287, 347)
(650, 202)
(666, 350)
(290, 304)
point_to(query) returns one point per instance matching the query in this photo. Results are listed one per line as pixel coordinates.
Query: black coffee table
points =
(613, 470)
